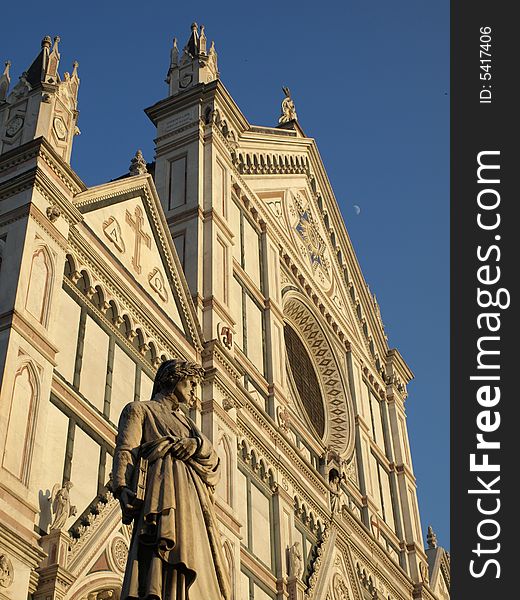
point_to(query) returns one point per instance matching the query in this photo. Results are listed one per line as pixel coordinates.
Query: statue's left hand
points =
(185, 448)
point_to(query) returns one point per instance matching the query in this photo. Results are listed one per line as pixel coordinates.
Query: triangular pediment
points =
(127, 219)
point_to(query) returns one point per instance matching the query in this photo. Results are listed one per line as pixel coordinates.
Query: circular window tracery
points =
(330, 370)
(305, 378)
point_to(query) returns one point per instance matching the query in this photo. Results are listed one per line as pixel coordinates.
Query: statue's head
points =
(177, 379)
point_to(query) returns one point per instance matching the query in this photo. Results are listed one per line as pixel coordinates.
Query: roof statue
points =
(288, 108)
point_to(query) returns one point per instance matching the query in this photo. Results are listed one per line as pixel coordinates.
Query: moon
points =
(357, 209)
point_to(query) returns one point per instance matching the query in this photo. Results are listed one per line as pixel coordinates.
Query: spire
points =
(192, 47)
(202, 41)
(41, 104)
(5, 80)
(138, 164)
(36, 72)
(431, 538)
(196, 65)
(174, 60)
(51, 72)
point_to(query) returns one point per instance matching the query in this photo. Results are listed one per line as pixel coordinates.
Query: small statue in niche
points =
(288, 108)
(60, 505)
(335, 480)
(295, 560)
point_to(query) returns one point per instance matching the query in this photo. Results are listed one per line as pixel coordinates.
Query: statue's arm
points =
(128, 440)
(205, 448)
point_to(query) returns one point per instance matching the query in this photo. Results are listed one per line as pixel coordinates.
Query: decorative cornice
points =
(56, 198)
(41, 148)
(260, 163)
(30, 333)
(26, 552)
(17, 184)
(214, 351)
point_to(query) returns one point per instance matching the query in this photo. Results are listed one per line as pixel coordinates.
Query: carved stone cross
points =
(140, 236)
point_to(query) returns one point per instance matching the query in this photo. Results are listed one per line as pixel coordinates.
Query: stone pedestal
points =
(295, 588)
(55, 580)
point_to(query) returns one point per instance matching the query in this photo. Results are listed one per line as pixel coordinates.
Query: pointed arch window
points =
(21, 422)
(40, 285)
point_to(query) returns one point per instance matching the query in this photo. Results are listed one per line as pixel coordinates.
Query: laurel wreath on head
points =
(172, 371)
(184, 369)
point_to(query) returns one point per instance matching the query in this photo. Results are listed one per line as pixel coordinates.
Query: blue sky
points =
(370, 82)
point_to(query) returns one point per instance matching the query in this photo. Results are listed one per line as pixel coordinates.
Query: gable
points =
(126, 218)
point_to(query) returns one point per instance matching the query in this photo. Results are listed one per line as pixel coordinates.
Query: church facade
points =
(228, 250)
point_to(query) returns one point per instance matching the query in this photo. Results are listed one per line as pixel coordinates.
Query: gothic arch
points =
(41, 279)
(21, 421)
(225, 487)
(99, 586)
(339, 428)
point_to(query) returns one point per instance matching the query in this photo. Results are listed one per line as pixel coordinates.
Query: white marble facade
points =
(231, 252)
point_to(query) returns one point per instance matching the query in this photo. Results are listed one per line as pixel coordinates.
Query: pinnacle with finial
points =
(57, 40)
(138, 164)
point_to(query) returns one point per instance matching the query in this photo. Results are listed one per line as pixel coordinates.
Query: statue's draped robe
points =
(175, 553)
